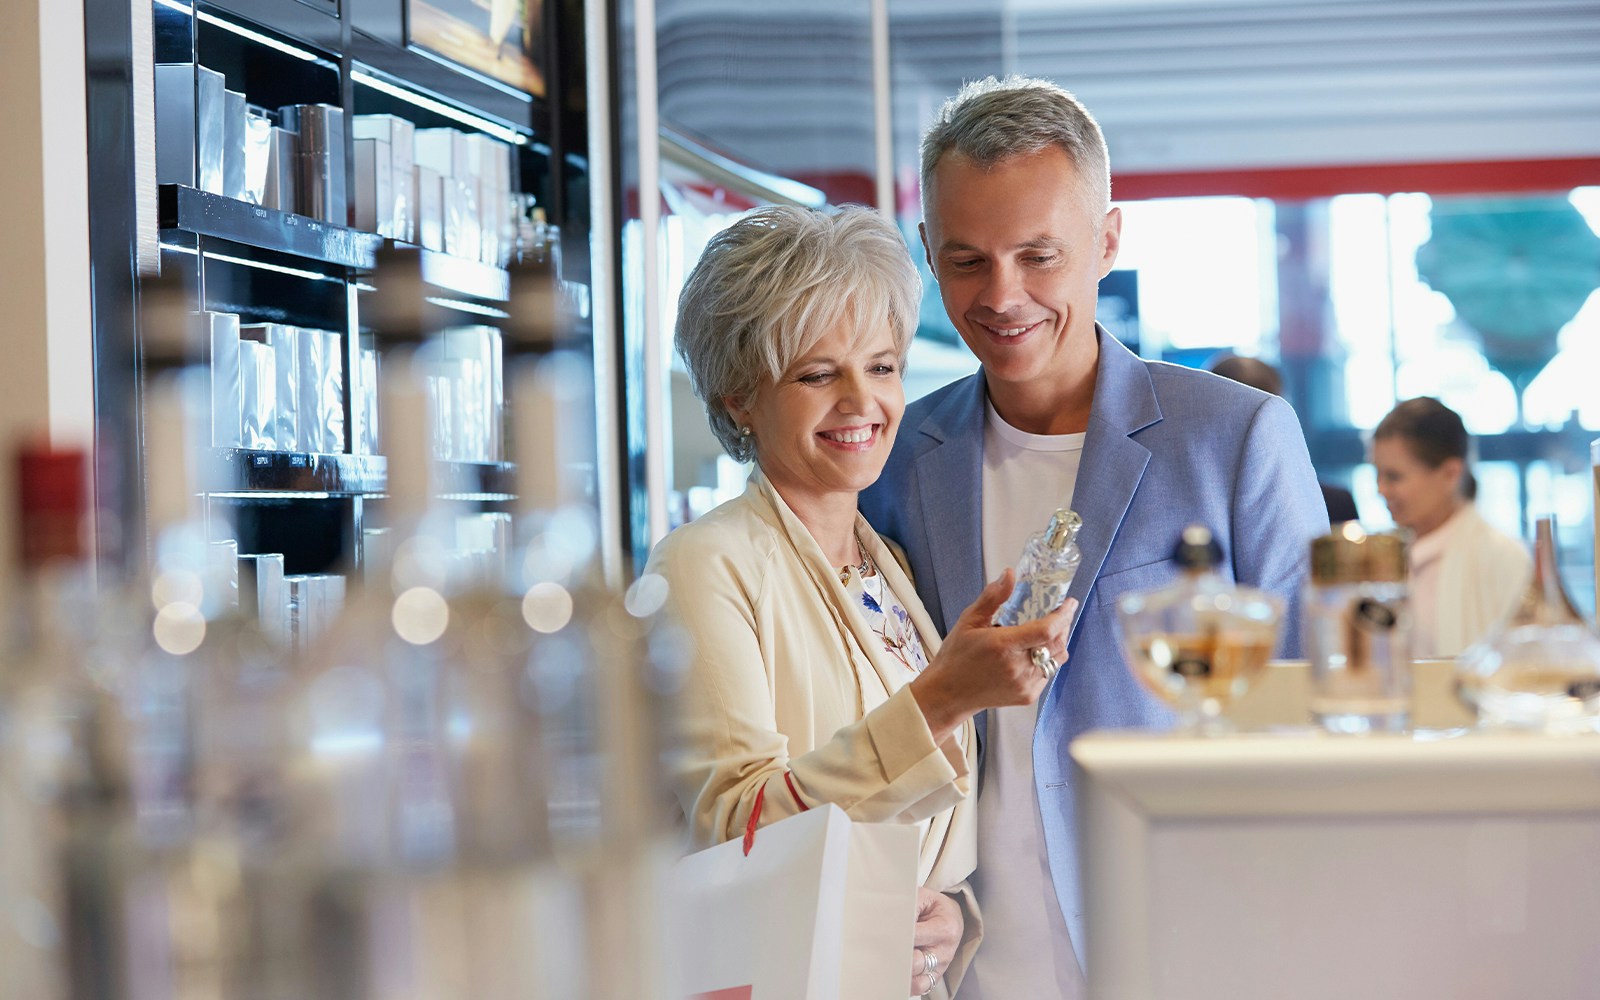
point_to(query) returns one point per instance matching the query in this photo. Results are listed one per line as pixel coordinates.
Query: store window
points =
(1364, 300)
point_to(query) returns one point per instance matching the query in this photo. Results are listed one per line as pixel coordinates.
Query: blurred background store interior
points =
(1383, 198)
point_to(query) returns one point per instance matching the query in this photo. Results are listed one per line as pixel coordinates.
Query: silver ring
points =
(1046, 663)
(933, 980)
(930, 962)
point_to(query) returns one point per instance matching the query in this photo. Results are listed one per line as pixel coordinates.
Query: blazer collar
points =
(1113, 463)
(824, 577)
(950, 474)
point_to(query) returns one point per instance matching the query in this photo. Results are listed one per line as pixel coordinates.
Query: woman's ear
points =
(1454, 471)
(736, 407)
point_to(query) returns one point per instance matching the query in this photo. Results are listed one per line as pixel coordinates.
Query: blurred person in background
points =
(1465, 576)
(1019, 230)
(818, 677)
(1257, 374)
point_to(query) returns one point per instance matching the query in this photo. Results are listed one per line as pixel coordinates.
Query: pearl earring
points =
(744, 431)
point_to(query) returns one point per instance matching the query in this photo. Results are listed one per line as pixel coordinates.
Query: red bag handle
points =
(755, 811)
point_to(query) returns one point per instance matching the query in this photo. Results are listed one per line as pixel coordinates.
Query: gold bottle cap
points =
(1350, 555)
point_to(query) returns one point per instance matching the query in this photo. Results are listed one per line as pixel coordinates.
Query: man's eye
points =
(1048, 258)
(965, 263)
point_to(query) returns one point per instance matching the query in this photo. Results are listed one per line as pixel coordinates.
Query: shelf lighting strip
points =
(245, 262)
(500, 132)
(469, 307)
(242, 31)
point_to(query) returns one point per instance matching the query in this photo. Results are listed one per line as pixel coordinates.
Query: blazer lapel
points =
(950, 487)
(1113, 463)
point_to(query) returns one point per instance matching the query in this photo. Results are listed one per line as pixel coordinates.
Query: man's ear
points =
(1110, 240)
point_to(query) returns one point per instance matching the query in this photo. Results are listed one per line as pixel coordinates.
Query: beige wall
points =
(46, 361)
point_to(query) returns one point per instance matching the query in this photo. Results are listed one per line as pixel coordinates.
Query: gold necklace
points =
(863, 569)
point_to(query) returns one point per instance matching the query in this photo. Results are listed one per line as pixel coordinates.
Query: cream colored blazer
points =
(792, 692)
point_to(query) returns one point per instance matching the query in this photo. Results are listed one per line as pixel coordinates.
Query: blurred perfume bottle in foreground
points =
(1199, 643)
(1540, 669)
(1358, 632)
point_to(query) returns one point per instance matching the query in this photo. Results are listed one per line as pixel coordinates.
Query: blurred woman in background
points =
(1465, 575)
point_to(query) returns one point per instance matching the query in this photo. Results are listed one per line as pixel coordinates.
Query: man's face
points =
(1019, 256)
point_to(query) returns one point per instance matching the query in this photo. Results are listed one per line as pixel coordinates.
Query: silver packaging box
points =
(258, 386)
(321, 392)
(227, 396)
(320, 177)
(283, 342)
(235, 123)
(190, 109)
(262, 591)
(373, 206)
(257, 156)
(299, 615)
(330, 400)
(377, 551)
(430, 208)
(400, 134)
(278, 190)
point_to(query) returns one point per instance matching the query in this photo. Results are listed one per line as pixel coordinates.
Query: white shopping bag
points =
(820, 908)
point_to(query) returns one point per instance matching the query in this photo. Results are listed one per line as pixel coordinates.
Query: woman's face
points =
(827, 424)
(1420, 497)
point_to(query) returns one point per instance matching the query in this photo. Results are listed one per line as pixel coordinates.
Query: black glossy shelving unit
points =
(273, 266)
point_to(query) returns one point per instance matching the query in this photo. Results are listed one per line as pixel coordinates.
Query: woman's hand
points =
(939, 927)
(982, 666)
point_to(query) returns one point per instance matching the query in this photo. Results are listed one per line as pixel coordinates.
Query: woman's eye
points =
(882, 369)
(813, 378)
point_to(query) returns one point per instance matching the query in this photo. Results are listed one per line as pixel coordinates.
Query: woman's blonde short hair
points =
(771, 285)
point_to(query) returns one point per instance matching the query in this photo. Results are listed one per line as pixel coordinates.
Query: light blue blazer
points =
(1166, 446)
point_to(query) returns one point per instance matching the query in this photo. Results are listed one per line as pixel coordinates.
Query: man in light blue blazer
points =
(1018, 229)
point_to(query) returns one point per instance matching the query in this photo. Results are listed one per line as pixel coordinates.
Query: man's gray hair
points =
(771, 285)
(992, 120)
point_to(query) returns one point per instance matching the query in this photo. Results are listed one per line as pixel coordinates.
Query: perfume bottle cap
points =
(1350, 555)
(1197, 548)
(1064, 524)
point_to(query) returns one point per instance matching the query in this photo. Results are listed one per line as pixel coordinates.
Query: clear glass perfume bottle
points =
(1540, 669)
(1045, 571)
(1199, 643)
(1358, 631)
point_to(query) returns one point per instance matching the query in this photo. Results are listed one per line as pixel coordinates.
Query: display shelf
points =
(471, 278)
(243, 470)
(490, 481)
(206, 214)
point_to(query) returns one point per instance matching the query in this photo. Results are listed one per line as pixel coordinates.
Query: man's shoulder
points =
(924, 407)
(1184, 391)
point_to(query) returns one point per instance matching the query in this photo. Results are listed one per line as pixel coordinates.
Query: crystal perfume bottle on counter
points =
(1540, 669)
(1199, 643)
(1045, 571)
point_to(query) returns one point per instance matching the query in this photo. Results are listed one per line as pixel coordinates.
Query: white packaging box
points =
(496, 227)
(430, 208)
(400, 134)
(223, 559)
(190, 103)
(278, 190)
(283, 342)
(262, 591)
(227, 396)
(373, 205)
(258, 381)
(475, 356)
(257, 156)
(235, 126)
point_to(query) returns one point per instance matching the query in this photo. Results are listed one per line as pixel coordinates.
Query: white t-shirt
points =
(1026, 950)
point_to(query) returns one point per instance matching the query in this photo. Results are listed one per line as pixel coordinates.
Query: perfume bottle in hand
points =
(1045, 571)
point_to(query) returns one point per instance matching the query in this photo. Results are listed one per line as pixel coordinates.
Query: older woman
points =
(1465, 576)
(819, 677)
